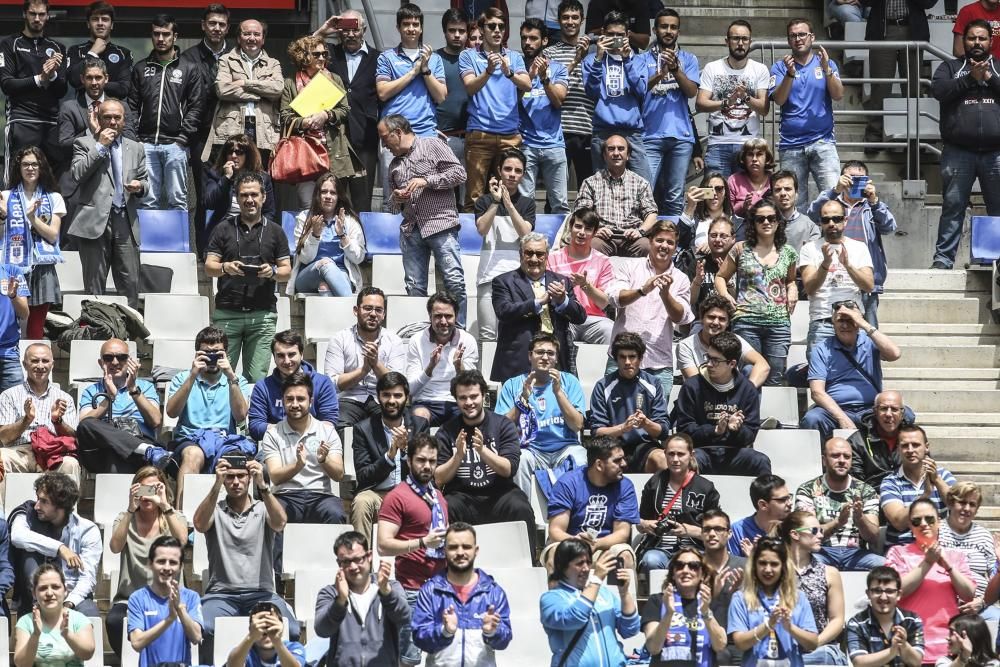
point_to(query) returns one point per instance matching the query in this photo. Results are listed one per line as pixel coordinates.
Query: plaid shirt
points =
(622, 202)
(431, 209)
(865, 636)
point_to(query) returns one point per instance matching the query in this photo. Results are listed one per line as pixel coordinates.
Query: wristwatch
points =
(135, 392)
(510, 75)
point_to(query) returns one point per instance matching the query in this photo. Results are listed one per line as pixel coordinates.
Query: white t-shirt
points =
(738, 123)
(690, 351)
(838, 285)
(501, 252)
(280, 442)
(58, 204)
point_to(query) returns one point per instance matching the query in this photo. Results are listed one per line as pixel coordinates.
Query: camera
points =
(618, 42)
(664, 526)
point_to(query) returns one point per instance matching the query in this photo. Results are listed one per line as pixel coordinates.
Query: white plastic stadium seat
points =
(781, 403)
(794, 453)
(174, 316)
(734, 495)
(306, 544)
(325, 316)
(503, 545)
(404, 310)
(83, 356)
(110, 498)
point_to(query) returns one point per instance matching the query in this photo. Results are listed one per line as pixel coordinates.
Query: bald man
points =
(111, 172)
(874, 443)
(846, 508)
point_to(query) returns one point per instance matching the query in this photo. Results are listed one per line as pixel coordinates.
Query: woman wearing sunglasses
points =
(802, 534)
(934, 578)
(770, 619)
(766, 294)
(238, 156)
(969, 643)
(678, 622)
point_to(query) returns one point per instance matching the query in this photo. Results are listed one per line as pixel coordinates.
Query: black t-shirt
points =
(264, 243)
(637, 12)
(474, 476)
(523, 205)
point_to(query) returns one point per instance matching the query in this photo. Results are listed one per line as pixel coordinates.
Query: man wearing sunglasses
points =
(884, 634)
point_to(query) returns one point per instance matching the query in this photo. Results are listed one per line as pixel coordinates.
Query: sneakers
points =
(940, 265)
(157, 456)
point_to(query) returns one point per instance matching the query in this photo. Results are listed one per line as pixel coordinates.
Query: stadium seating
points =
(308, 583)
(781, 403)
(110, 498)
(73, 303)
(288, 226)
(404, 310)
(70, 272)
(83, 356)
(325, 316)
(502, 545)
(734, 494)
(306, 544)
(97, 660)
(162, 312)
(794, 453)
(389, 269)
(163, 230)
(381, 233)
(985, 238)
(18, 487)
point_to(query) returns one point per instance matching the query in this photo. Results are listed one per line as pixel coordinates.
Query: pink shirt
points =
(647, 316)
(600, 273)
(739, 187)
(935, 600)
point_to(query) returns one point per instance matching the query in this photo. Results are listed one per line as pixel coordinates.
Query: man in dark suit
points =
(111, 172)
(380, 449)
(528, 300)
(353, 60)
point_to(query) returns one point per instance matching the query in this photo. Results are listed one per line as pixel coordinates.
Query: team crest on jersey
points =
(818, 72)
(114, 58)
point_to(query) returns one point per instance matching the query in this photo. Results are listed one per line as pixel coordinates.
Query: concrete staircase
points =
(949, 371)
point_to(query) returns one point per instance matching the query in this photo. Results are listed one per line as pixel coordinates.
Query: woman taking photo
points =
(766, 294)
(960, 531)
(969, 643)
(150, 515)
(770, 619)
(581, 616)
(32, 212)
(237, 157)
(933, 578)
(503, 216)
(329, 243)
(803, 536)
(678, 623)
(753, 181)
(52, 635)
(672, 503)
(702, 209)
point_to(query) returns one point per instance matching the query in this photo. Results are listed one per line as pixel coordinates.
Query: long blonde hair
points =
(788, 585)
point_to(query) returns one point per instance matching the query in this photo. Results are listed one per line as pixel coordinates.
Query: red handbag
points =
(299, 158)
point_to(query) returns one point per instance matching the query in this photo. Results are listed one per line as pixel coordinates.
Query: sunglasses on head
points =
(120, 358)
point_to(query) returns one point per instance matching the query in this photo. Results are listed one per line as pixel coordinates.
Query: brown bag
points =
(299, 158)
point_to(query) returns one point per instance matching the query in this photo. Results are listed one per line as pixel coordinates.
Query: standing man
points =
(111, 172)
(421, 178)
(868, 220)
(248, 257)
(734, 94)
(79, 116)
(33, 80)
(117, 59)
(805, 85)
(669, 77)
(541, 123)
(969, 92)
(453, 111)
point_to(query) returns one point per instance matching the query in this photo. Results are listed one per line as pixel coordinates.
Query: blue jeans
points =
(668, 160)
(959, 170)
(637, 161)
(818, 419)
(771, 341)
(848, 559)
(827, 654)
(11, 373)
(845, 13)
(819, 159)
(654, 559)
(870, 302)
(166, 167)
(722, 158)
(819, 330)
(409, 654)
(553, 170)
(324, 272)
(447, 259)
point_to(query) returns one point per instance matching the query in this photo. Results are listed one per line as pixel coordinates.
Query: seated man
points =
(477, 460)
(360, 355)
(845, 371)
(919, 476)
(595, 504)
(119, 415)
(548, 407)
(846, 508)
(207, 419)
(715, 313)
(47, 530)
(874, 444)
(266, 405)
(720, 410)
(36, 403)
(772, 503)
(435, 356)
(883, 633)
(380, 449)
(164, 617)
(239, 533)
(263, 644)
(628, 405)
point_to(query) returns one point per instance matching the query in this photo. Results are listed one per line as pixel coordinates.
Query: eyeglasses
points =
(813, 530)
(372, 309)
(711, 361)
(879, 592)
(928, 520)
(494, 26)
(544, 353)
(120, 358)
(540, 254)
(850, 304)
(344, 562)
(320, 54)
(832, 218)
(720, 188)
(30, 165)
(765, 218)
(722, 236)
(799, 35)
(714, 529)
(782, 499)
(739, 39)
(693, 565)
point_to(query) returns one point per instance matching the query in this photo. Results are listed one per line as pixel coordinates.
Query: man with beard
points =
(462, 615)
(477, 461)
(968, 90)
(670, 79)
(380, 444)
(118, 60)
(716, 312)
(846, 508)
(734, 94)
(799, 228)
(882, 633)
(715, 532)
(835, 270)
(875, 442)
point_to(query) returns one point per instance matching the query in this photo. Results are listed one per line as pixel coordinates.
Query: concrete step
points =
(918, 396)
(956, 419)
(940, 356)
(936, 308)
(964, 443)
(894, 373)
(928, 281)
(922, 333)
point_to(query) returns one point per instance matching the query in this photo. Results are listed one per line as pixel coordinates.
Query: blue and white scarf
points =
(430, 496)
(20, 247)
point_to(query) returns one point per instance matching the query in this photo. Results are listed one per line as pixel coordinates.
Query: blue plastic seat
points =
(288, 224)
(985, 239)
(468, 236)
(549, 224)
(381, 232)
(164, 231)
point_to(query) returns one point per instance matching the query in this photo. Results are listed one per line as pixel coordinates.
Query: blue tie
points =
(118, 199)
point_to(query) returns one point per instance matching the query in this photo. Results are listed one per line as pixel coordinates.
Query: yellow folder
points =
(320, 94)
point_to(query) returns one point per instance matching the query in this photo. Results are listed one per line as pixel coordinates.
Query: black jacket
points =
(699, 406)
(872, 459)
(116, 58)
(362, 118)
(21, 58)
(167, 101)
(370, 447)
(207, 64)
(218, 195)
(875, 29)
(698, 497)
(970, 110)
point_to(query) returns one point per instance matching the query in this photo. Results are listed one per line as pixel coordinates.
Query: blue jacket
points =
(266, 406)
(618, 112)
(469, 647)
(615, 399)
(564, 611)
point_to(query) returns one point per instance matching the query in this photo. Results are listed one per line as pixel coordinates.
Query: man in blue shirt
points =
(541, 123)
(164, 618)
(611, 78)
(495, 79)
(669, 79)
(409, 81)
(805, 86)
(548, 407)
(15, 288)
(208, 401)
(772, 502)
(263, 646)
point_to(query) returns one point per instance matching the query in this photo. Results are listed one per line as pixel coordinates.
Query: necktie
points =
(539, 289)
